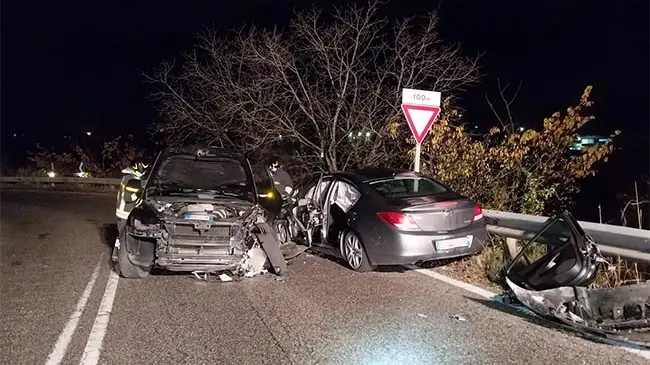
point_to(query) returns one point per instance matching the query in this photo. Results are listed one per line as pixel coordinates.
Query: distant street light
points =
(89, 133)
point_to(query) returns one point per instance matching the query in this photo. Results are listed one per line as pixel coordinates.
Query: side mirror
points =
(133, 186)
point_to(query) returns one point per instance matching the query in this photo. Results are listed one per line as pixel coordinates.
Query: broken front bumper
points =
(613, 313)
(209, 246)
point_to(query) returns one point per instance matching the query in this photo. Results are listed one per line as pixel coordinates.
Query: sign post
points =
(421, 108)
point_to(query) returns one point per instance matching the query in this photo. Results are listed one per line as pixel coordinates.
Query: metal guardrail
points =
(628, 243)
(59, 180)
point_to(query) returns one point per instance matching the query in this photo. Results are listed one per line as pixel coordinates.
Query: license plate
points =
(454, 243)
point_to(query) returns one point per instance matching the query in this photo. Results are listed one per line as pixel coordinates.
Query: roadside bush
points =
(530, 171)
(105, 161)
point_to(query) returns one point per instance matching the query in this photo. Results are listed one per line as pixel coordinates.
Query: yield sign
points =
(420, 118)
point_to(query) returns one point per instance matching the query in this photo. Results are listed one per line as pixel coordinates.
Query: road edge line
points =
(491, 295)
(61, 346)
(457, 283)
(93, 348)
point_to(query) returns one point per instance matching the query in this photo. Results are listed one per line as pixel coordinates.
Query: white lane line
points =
(61, 345)
(490, 295)
(96, 338)
(457, 283)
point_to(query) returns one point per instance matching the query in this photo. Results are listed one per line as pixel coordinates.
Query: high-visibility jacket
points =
(123, 208)
(283, 182)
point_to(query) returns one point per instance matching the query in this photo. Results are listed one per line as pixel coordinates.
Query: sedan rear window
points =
(399, 188)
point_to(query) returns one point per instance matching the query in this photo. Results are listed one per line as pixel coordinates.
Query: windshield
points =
(219, 176)
(407, 187)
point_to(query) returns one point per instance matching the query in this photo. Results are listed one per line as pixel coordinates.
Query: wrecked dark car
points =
(379, 216)
(552, 274)
(199, 210)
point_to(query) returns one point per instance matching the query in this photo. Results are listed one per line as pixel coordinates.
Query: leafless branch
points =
(507, 121)
(332, 89)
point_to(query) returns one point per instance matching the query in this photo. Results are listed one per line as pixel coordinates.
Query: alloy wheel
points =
(353, 251)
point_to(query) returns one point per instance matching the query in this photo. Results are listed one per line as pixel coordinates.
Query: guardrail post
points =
(511, 247)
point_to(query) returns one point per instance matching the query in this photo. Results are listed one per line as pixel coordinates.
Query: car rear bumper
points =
(402, 248)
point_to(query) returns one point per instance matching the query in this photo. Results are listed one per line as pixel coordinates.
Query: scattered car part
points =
(554, 285)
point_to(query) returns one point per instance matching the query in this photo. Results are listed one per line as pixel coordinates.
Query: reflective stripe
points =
(121, 214)
(122, 204)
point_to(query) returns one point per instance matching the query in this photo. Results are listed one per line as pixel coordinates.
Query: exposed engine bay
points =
(207, 237)
(200, 211)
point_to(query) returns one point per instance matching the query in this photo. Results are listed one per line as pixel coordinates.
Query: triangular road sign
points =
(420, 118)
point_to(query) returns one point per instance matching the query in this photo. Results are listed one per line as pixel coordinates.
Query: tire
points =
(354, 253)
(126, 268)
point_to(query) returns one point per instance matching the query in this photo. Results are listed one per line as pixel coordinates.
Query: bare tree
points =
(331, 89)
(506, 121)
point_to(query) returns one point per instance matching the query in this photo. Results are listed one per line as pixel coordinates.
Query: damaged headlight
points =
(140, 229)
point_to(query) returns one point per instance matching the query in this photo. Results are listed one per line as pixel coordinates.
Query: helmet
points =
(275, 165)
(140, 167)
(137, 169)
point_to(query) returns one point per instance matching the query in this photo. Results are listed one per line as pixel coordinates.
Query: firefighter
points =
(123, 208)
(281, 179)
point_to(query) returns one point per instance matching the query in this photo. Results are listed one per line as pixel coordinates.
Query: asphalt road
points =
(321, 313)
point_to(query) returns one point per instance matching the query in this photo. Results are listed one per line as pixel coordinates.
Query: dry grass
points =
(621, 272)
(485, 269)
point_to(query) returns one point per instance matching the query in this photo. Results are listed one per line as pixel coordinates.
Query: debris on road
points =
(422, 315)
(551, 275)
(459, 317)
(201, 275)
(225, 278)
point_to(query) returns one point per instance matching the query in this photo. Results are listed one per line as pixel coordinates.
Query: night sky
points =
(72, 66)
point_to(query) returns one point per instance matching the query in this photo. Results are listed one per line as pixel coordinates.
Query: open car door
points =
(309, 212)
(560, 254)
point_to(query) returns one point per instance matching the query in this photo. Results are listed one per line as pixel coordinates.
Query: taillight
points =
(400, 221)
(478, 212)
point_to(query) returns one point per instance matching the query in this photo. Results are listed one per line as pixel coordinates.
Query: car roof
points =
(371, 174)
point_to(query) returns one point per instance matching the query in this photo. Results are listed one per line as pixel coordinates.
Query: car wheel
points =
(126, 268)
(354, 253)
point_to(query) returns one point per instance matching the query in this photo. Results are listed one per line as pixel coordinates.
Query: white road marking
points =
(96, 338)
(490, 295)
(457, 283)
(61, 345)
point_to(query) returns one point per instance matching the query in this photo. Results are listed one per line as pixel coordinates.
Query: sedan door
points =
(560, 254)
(309, 210)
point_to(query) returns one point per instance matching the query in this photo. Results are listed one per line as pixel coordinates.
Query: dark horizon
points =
(76, 67)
